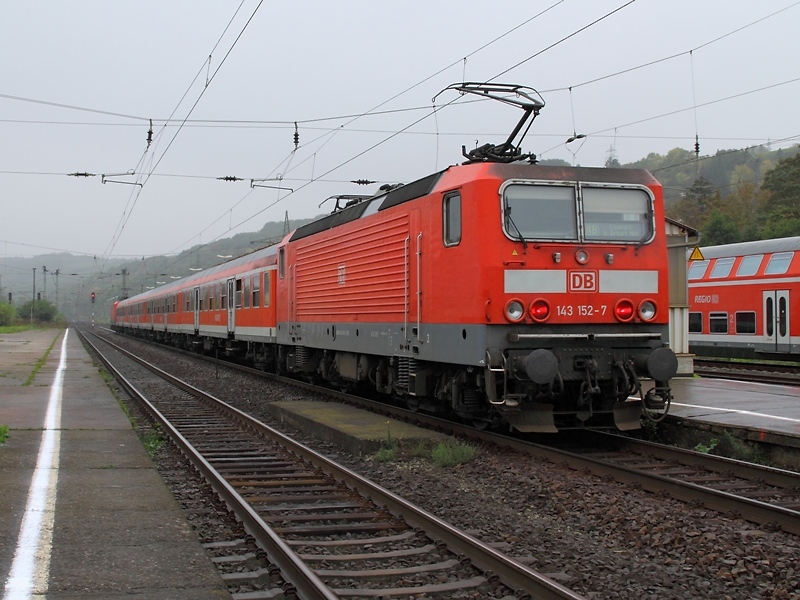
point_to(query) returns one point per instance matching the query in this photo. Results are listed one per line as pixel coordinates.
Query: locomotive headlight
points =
(647, 310)
(623, 310)
(540, 310)
(515, 310)
(582, 256)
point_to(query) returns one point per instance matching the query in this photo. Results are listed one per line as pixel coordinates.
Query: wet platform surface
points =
(116, 530)
(763, 412)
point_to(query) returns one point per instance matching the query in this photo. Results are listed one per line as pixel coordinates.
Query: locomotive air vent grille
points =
(301, 355)
(405, 368)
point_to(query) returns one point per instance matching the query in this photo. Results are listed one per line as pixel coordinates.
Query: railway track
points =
(770, 373)
(330, 532)
(754, 492)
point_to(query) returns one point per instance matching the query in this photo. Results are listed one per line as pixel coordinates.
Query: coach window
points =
(540, 212)
(266, 289)
(779, 263)
(698, 269)
(452, 219)
(281, 262)
(223, 296)
(749, 265)
(718, 322)
(695, 322)
(746, 323)
(256, 290)
(238, 293)
(246, 292)
(616, 215)
(722, 268)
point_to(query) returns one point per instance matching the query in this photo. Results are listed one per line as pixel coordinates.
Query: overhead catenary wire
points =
(207, 69)
(371, 111)
(197, 101)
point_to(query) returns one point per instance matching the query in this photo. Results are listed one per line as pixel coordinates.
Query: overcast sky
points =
(81, 81)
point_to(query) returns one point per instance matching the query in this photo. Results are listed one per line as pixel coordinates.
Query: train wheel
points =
(481, 424)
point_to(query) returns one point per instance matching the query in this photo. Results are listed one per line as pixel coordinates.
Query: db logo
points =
(582, 281)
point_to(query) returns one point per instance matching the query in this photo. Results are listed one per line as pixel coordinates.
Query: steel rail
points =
(306, 583)
(508, 571)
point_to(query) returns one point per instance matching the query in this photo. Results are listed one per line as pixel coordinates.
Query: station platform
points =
(766, 415)
(357, 431)
(83, 511)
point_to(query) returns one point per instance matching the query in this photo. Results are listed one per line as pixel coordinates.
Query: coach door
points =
(196, 309)
(231, 305)
(776, 321)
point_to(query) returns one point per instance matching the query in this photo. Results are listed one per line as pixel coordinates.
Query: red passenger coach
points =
(496, 291)
(742, 299)
(229, 307)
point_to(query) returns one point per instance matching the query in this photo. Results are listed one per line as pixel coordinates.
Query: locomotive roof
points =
(472, 171)
(788, 244)
(578, 174)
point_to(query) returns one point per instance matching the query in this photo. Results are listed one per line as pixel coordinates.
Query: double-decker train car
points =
(744, 300)
(495, 291)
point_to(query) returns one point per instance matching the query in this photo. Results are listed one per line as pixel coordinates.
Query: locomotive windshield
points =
(596, 214)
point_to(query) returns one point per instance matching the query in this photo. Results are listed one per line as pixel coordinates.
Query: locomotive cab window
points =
(616, 215)
(540, 212)
(452, 220)
(558, 213)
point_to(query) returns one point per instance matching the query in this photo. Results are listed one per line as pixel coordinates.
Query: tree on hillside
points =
(702, 193)
(720, 228)
(782, 204)
(696, 203)
(745, 207)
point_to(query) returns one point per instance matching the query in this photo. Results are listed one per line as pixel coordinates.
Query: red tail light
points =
(540, 310)
(624, 310)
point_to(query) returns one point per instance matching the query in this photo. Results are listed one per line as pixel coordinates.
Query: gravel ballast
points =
(598, 537)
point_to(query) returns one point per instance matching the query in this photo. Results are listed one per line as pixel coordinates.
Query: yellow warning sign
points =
(696, 254)
(514, 253)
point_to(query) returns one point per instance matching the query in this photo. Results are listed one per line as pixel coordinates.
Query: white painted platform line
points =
(31, 566)
(738, 412)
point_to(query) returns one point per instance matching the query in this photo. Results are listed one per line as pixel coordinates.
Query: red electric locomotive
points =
(741, 299)
(497, 291)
